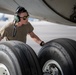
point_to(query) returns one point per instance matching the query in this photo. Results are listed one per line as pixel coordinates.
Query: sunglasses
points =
(25, 17)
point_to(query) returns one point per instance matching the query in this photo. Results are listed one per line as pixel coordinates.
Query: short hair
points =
(21, 9)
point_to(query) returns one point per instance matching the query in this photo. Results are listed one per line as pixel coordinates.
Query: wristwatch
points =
(42, 43)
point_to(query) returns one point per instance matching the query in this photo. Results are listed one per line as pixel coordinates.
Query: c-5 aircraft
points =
(56, 57)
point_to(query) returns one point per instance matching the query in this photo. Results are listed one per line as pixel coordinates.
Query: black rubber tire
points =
(63, 51)
(19, 58)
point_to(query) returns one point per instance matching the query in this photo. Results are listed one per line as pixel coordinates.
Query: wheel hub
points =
(3, 70)
(51, 67)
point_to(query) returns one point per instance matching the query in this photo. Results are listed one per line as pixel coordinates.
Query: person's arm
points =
(36, 38)
(2, 33)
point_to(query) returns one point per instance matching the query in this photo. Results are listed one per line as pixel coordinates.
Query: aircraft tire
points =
(58, 57)
(17, 58)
